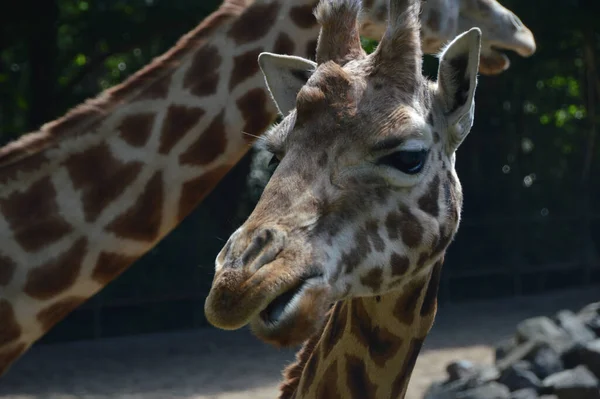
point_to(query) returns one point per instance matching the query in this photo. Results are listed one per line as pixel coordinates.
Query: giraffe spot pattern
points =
(7, 270)
(310, 370)
(335, 328)
(202, 78)
(401, 382)
(328, 387)
(254, 23)
(430, 301)
(284, 45)
(109, 265)
(209, 146)
(406, 305)
(29, 164)
(157, 90)
(423, 258)
(303, 16)
(178, 122)
(429, 201)
(195, 190)
(57, 275)
(99, 186)
(142, 220)
(372, 228)
(136, 129)
(399, 264)
(244, 66)
(381, 343)
(253, 106)
(359, 384)
(10, 330)
(373, 279)
(33, 216)
(54, 313)
(436, 137)
(404, 224)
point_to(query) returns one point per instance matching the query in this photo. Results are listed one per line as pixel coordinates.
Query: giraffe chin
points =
(294, 316)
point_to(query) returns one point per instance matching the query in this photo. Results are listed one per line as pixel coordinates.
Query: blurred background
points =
(531, 219)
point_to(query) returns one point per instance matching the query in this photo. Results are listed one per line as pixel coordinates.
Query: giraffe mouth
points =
(293, 316)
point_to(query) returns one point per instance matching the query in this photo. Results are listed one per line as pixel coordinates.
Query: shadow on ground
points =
(210, 363)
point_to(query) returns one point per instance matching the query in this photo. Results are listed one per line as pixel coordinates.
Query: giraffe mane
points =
(85, 116)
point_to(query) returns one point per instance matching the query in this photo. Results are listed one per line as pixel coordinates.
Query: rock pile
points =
(547, 358)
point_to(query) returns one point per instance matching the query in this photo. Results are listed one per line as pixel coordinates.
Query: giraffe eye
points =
(273, 163)
(409, 162)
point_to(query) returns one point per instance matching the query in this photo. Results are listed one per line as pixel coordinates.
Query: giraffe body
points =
(360, 210)
(90, 193)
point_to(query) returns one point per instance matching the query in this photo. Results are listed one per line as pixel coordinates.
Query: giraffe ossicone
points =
(345, 246)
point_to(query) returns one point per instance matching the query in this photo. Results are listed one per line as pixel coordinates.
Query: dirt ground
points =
(214, 364)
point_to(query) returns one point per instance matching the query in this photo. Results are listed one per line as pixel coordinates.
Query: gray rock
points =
(577, 383)
(528, 393)
(548, 397)
(590, 315)
(574, 326)
(491, 390)
(544, 360)
(519, 376)
(503, 348)
(543, 329)
(460, 369)
(587, 355)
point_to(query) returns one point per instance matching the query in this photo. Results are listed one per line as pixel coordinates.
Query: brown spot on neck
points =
(381, 344)
(202, 77)
(57, 275)
(406, 306)
(429, 305)
(359, 384)
(33, 216)
(303, 16)
(328, 388)
(284, 45)
(244, 66)
(401, 382)
(10, 330)
(178, 122)
(110, 265)
(48, 317)
(209, 146)
(100, 178)
(254, 23)
(7, 270)
(142, 220)
(335, 328)
(256, 111)
(136, 129)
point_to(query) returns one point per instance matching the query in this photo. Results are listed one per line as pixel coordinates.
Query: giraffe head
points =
(365, 196)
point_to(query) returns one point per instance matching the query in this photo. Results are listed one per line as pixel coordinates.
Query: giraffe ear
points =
(457, 80)
(285, 75)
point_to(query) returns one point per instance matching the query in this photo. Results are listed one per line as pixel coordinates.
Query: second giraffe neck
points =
(90, 193)
(368, 346)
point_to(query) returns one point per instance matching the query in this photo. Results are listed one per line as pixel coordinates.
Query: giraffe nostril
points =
(264, 246)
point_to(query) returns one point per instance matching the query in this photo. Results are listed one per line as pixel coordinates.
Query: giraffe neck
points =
(90, 193)
(368, 346)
